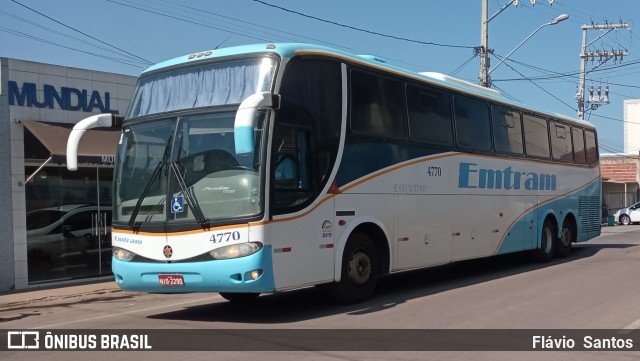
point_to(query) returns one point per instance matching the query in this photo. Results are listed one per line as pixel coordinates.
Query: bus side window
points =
(291, 176)
(592, 149)
(507, 130)
(578, 145)
(561, 148)
(306, 133)
(286, 172)
(377, 105)
(429, 116)
(473, 130)
(536, 137)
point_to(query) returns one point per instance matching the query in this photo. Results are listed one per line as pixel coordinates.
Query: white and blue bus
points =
(262, 168)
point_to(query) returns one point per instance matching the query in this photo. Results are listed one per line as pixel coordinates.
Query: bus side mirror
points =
(246, 117)
(94, 121)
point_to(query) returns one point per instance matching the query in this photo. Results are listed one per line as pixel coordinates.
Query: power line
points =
(188, 21)
(456, 70)
(563, 75)
(364, 30)
(537, 85)
(66, 36)
(78, 31)
(254, 24)
(18, 33)
(195, 22)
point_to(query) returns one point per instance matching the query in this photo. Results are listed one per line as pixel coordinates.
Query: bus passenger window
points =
(472, 123)
(536, 136)
(561, 142)
(429, 116)
(377, 106)
(507, 131)
(578, 145)
(592, 149)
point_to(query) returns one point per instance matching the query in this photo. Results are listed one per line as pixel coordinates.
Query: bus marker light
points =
(342, 222)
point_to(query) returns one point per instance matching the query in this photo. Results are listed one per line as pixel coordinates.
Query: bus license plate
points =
(171, 280)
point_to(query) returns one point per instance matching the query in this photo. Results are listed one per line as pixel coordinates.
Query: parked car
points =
(65, 237)
(628, 215)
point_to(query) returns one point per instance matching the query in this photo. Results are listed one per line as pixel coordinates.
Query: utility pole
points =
(484, 45)
(602, 56)
(483, 50)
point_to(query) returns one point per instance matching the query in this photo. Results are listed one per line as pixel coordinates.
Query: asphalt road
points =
(595, 288)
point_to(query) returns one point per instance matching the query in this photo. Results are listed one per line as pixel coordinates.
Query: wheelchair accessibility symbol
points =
(177, 205)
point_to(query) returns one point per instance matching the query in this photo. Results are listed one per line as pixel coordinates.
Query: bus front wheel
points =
(547, 243)
(359, 273)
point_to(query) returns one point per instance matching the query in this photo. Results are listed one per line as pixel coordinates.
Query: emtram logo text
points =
(472, 176)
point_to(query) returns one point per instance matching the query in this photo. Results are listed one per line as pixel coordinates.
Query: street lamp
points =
(560, 18)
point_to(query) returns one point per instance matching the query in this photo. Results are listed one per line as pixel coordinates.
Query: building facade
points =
(54, 224)
(620, 177)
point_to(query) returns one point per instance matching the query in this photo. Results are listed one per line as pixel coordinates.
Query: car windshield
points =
(199, 151)
(42, 218)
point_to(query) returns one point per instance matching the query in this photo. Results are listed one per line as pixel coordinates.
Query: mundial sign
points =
(66, 98)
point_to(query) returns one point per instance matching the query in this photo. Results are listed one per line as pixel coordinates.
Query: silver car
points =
(628, 215)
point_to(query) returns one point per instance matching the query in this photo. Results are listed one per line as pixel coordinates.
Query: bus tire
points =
(240, 298)
(359, 271)
(547, 242)
(567, 237)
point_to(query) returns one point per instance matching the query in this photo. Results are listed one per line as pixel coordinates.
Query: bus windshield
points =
(185, 169)
(206, 85)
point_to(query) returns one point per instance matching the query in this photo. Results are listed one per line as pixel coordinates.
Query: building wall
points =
(49, 93)
(620, 169)
(9, 259)
(620, 177)
(632, 126)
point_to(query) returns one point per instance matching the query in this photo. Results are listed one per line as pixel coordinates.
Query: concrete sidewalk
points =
(50, 294)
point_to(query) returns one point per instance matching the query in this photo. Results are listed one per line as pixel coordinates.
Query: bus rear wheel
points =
(567, 237)
(547, 242)
(239, 297)
(359, 273)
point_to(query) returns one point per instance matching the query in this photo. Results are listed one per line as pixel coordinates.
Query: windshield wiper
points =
(190, 195)
(146, 190)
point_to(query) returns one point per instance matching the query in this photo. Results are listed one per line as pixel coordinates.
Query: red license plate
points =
(171, 280)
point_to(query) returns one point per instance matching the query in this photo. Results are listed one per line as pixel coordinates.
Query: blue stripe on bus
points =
(230, 275)
(364, 158)
(515, 239)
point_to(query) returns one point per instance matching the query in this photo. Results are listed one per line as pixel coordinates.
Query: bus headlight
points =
(122, 254)
(236, 250)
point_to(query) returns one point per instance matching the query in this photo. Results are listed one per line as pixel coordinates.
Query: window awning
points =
(97, 146)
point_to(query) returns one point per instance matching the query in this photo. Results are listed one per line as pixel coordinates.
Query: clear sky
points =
(157, 30)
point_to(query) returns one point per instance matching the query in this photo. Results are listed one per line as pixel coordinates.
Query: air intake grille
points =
(590, 213)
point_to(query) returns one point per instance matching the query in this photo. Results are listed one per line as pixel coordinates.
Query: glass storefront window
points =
(68, 223)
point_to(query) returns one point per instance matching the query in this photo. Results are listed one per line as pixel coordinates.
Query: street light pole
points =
(560, 18)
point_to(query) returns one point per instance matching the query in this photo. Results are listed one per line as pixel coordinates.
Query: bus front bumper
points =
(229, 275)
